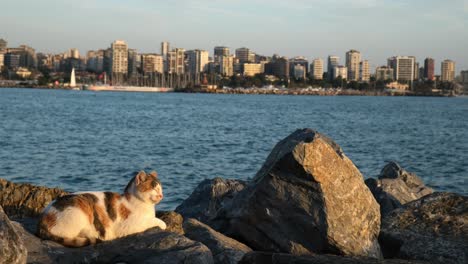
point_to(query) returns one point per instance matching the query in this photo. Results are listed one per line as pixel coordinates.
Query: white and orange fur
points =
(84, 218)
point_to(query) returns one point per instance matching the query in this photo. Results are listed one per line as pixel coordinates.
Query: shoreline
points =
(292, 91)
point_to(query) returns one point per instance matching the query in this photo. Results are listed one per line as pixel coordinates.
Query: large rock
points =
(278, 258)
(307, 198)
(396, 187)
(151, 246)
(12, 249)
(433, 228)
(26, 200)
(225, 250)
(209, 196)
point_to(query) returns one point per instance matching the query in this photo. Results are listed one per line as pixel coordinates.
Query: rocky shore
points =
(307, 204)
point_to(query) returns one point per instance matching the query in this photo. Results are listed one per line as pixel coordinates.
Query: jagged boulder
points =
(278, 258)
(151, 246)
(208, 197)
(433, 228)
(225, 250)
(396, 187)
(307, 198)
(26, 200)
(12, 249)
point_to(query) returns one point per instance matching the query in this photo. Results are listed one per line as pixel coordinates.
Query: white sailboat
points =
(73, 80)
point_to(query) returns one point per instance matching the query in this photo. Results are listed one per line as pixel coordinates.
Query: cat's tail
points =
(44, 233)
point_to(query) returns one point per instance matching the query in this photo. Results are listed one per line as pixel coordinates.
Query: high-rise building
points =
(364, 71)
(2, 58)
(220, 52)
(416, 70)
(12, 61)
(226, 65)
(299, 71)
(340, 71)
(298, 61)
(119, 57)
(464, 77)
(429, 66)
(3, 44)
(448, 71)
(197, 61)
(353, 59)
(403, 68)
(384, 73)
(74, 53)
(27, 54)
(176, 61)
(152, 63)
(251, 69)
(333, 61)
(164, 49)
(245, 55)
(316, 71)
(132, 62)
(278, 66)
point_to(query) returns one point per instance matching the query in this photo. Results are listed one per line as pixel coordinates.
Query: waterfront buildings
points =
(2, 57)
(403, 68)
(251, 69)
(119, 58)
(176, 61)
(448, 71)
(416, 70)
(74, 53)
(27, 55)
(298, 61)
(11, 61)
(429, 65)
(220, 52)
(151, 63)
(164, 49)
(384, 73)
(245, 55)
(353, 59)
(133, 62)
(333, 61)
(197, 61)
(340, 71)
(299, 71)
(278, 66)
(317, 69)
(464, 77)
(226, 65)
(364, 71)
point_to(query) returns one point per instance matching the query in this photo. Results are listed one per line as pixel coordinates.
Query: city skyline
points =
(420, 28)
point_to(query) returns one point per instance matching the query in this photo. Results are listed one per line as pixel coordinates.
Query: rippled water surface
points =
(80, 140)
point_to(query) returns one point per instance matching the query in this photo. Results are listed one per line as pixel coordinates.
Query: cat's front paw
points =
(160, 223)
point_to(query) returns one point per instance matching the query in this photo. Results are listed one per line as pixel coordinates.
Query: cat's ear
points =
(141, 177)
(154, 174)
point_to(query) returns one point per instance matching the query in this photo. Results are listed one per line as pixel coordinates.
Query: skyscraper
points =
(340, 71)
(219, 52)
(74, 53)
(384, 73)
(298, 61)
(151, 63)
(429, 65)
(353, 59)
(132, 62)
(164, 49)
(333, 61)
(176, 61)
(226, 65)
(364, 71)
(197, 61)
(403, 67)
(245, 55)
(448, 71)
(119, 57)
(316, 71)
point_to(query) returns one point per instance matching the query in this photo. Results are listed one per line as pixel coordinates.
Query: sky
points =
(311, 28)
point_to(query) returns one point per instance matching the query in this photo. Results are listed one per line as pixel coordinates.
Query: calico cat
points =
(84, 218)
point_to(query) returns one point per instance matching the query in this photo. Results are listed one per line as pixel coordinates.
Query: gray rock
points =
(12, 249)
(173, 221)
(396, 187)
(307, 198)
(26, 200)
(433, 228)
(151, 246)
(209, 196)
(278, 258)
(225, 250)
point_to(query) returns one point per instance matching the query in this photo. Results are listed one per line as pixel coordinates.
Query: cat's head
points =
(146, 187)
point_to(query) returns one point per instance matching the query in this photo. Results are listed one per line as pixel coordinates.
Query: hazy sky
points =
(311, 28)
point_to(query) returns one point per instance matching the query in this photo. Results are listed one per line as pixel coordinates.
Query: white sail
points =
(72, 78)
